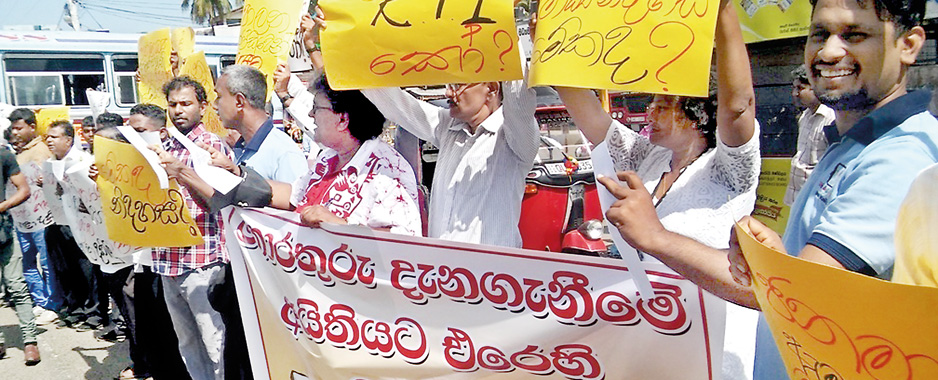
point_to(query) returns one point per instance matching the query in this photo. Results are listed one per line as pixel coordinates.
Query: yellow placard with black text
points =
(136, 211)
(770, 208)
(267, 31)
(153, 66)
(655, 46)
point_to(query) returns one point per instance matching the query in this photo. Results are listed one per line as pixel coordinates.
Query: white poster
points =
(347, 302)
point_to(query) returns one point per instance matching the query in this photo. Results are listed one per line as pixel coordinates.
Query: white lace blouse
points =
(709, 196)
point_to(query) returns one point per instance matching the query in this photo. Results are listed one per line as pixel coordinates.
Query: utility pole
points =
(73, 15)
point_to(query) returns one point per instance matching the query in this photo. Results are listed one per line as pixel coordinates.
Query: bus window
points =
(226, 60)
(53, 79)
(125, 67)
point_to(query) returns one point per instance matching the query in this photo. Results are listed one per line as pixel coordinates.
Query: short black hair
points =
(365, 122)
(904, 14)
(25, 114)
(184, 81)
(150, 111)
(67, 128)
(800, 74)
(87, 121)
(111, 133)
(109, 119)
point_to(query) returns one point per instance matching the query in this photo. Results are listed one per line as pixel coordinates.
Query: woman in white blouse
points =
(700, 168)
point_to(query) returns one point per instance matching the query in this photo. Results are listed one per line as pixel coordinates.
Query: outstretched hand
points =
(170, 163)
(739, 267)
(220, 159)
(633, 214)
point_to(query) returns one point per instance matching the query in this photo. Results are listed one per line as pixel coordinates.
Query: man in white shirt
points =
(812, 142)
(488, 139)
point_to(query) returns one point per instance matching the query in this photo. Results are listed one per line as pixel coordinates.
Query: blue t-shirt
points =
(272, 154)
(848, 206)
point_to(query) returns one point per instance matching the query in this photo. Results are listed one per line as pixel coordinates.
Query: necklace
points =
(660, 180)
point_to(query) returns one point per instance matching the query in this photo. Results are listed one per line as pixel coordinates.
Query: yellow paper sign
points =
(267, 30)
(45, 117)
(136, 211)
(770, 208)
(833, 324)
(154, 66)
(644, 46)
(763, 20)
(419, 42)
(197, 68)
(183, 41)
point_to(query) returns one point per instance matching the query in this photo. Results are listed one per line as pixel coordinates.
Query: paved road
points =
(66, 353)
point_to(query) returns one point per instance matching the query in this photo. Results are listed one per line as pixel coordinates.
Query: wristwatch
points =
(283, 99)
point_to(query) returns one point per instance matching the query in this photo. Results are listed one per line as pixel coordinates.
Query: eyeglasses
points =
(317, 108)
(459, 88)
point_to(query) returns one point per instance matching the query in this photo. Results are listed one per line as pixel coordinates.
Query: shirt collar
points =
(194, 133)
(885, 118)
(258, 138)
(491, 124)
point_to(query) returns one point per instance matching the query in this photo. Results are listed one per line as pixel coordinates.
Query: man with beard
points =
(858, 54)
(190, 274)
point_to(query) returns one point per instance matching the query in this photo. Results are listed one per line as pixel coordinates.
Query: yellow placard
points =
(770, 208)
(183, 41)
(153, 66)
(763, 20)
(197, 68)
(136, 211)
(644, 46)
(45, 117)
(833, 324)
(419, 42)
(267, 30)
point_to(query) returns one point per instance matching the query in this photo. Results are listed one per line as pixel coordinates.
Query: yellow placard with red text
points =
(833, 324)
(136, 211)
(644, 46)
(419, 42)
(197, 68)
(45, 117)
(153, 66)
(267, 31)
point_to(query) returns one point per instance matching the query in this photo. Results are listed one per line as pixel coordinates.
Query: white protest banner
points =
(86, 220)
(33, 214)
(347, 302)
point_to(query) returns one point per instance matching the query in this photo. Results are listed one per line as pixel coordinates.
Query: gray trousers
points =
(198, 326)
(11, 271)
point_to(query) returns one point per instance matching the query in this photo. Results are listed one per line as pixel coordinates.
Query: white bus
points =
(46, 68)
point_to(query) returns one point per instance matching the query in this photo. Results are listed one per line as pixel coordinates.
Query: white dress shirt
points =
(479, 178)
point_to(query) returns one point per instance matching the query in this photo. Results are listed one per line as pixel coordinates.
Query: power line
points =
(135, 13)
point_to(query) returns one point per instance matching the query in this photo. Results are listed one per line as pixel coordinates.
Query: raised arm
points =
(736, 100)
(587, 112)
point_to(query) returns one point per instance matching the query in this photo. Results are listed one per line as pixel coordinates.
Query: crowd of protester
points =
(683, 185)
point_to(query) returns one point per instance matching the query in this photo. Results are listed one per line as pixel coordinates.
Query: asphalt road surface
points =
(66, 353)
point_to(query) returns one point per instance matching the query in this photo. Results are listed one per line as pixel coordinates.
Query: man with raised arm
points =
(488, 139)
(858, 54)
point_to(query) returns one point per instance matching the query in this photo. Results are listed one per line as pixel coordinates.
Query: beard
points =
(856, 100)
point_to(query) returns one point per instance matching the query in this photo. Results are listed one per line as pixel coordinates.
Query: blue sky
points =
(119, 16)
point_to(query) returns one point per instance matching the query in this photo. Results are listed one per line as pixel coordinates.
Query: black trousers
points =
(154, 349)
(81, 281)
